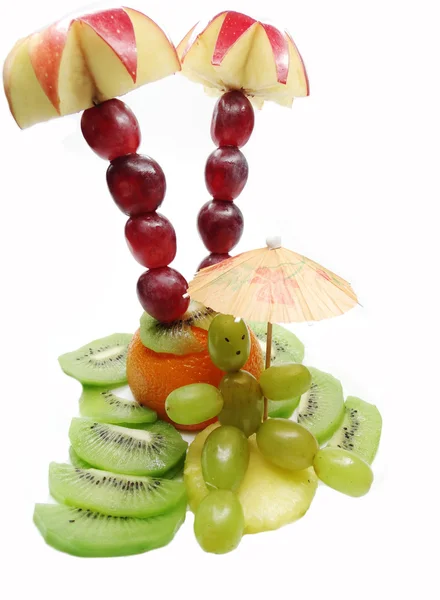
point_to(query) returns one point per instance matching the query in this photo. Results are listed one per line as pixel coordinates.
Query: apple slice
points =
(196, 49)
(27, 101)
(234, 51)
(298, 80)
(75, 62)
(263, 77)
(261, 68)
(215, 53)
(233, 48)
(58, 63)
(157, 56)
(109, 46)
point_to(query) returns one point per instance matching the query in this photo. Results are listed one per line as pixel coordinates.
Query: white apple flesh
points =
(74, 63)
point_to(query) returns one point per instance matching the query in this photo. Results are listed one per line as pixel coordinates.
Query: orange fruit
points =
(152, 376)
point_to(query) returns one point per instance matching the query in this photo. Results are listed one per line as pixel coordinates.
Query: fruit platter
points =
(209, 407)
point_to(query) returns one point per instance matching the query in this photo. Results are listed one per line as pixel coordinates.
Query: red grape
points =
(161, 291)
(137, 184)
(220, 225)
(226, 173)
(151, 239)
(111, 129)
(212, 259)
(233, 120)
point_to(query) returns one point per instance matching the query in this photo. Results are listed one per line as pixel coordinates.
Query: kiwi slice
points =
(152, 450)
(360, 430)
(286, 347)
(112, 494)
(176, 472)
(77, 461)
(101, 362)
(321, 408)
(87, 533)
(176, 337)
(104, 405)
(283, 409)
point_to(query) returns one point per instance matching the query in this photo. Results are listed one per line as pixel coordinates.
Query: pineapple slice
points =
(270, 496)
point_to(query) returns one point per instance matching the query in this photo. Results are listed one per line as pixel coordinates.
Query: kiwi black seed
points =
(360, 430)
(101, 362)
(152, 450)
(321, 408)
(113, 494)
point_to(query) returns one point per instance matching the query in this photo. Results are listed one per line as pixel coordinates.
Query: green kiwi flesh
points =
(176, 337)
(176, 472)
(104, 405)
(113, 494)
(102, 362)
(152, 450)
(77, 461)
(321, 408)
(360, 430)
(92, 534)
(286, 347)
(283, 409)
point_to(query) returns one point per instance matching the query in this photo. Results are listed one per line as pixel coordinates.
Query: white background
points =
(350, 178)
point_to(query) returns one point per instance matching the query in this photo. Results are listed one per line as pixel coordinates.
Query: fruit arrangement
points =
(208, 356)
(123, 491)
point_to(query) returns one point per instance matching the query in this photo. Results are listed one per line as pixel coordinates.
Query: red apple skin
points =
(113, 26)
(116, 29)
(164, 32)
(233, 27)
(46, 58)
(280, 51)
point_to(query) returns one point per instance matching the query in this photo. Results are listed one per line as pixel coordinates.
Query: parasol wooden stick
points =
(268, 357)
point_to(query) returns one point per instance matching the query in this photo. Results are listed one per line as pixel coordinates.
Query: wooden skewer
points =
(268, 357)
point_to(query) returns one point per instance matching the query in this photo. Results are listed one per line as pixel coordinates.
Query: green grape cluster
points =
(219, 520)
(239, 404)
(229, 346)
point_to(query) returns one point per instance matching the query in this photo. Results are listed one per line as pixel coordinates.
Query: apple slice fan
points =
(263, 428)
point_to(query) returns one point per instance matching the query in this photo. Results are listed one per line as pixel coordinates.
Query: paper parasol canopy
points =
(273, 285)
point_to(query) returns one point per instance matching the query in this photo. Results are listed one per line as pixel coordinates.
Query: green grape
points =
(219, 522)
(281, 382)
(225, 458)
(194, 403)
(343, 471)
(243, 402)
(287, 444)
(229, 342)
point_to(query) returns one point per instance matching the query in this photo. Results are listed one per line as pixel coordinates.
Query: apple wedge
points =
(76, 62)
(235, 51)
(27, 101)
(59, 66)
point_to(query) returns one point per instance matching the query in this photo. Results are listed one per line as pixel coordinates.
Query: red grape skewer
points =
(220, 222)
(137, 185)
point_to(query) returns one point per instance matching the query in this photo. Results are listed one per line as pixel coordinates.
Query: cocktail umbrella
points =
(273, 285)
